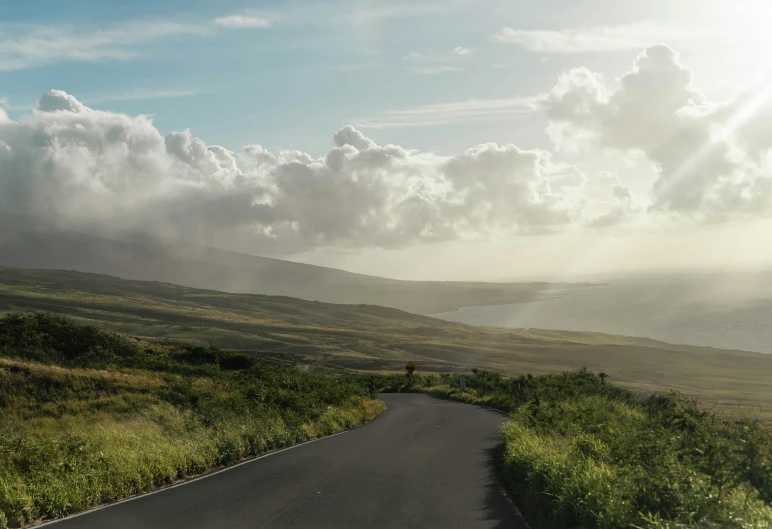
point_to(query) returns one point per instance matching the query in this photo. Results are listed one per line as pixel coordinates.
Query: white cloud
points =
(432, 63)
(615, 202)
(141, 95)
(415, 57)
(435, 69)
(713, 162)
(243, 22)
(56, 100)
(345, 14)
(352, 67)
(391, 10)
(84, 167)
(45, 45)
(475, 110)
(622, 37)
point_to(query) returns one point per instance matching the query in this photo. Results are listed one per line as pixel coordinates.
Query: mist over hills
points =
(371, 338)
(27, 242)
(728, 309)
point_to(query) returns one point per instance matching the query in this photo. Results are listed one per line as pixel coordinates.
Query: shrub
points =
(152, 414)
(582, 452)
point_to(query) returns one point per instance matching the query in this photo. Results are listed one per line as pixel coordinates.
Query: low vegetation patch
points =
(88, 417)
(581, 452)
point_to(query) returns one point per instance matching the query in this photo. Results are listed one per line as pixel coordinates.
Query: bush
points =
(71, 438)
(581, 452)
(48, 338)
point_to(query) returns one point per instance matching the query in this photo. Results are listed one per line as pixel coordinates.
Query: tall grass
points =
(580, 452)
(88, 417)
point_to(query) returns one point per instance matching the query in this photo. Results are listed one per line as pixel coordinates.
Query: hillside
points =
(366, 337)
(31, 243)
(88, 417)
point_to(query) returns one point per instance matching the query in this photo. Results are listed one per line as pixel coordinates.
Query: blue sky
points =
(436, 78)
(319, 66)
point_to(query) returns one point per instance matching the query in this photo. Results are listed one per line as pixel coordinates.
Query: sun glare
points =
(753, 22)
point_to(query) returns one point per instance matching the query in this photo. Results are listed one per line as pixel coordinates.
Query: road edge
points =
(502, 486)
(205, 474)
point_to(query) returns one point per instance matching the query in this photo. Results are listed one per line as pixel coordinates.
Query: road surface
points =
(423, 463)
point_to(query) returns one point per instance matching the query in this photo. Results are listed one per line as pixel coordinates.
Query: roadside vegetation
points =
(582, 452)
(88, 416)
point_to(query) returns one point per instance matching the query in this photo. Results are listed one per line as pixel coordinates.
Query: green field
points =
(371, 338)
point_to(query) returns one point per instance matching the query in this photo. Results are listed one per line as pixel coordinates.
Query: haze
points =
(462, 141)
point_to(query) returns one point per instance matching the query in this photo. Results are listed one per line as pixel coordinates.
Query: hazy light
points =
(735, 121)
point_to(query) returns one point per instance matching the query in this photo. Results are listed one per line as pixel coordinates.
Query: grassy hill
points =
(371, 338)
(88, 417)
(32, 243)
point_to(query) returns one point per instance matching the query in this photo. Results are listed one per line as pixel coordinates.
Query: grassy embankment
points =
(581, 452)
(370, 338)
(88, 417)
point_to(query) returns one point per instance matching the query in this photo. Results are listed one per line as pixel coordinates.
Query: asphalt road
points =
(423, 463)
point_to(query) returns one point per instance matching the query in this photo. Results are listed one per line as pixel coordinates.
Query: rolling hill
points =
(32, 243)
(373, 338)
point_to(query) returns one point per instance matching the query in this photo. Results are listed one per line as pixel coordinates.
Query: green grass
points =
(368, 338)
(88, 417)
(580, 452)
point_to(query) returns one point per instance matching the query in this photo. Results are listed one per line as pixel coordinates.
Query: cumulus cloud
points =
(58, 100)
(616, 202)
(364, 194)
(712, 161)
(89, 168)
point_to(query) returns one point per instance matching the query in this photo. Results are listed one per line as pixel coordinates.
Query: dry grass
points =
(363, 338)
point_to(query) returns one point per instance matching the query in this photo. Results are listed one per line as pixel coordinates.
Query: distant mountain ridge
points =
(31, 243)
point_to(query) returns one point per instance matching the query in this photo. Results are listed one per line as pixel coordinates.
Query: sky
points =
(485, 139)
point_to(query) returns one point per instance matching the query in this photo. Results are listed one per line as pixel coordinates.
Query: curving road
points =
(423, 463)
